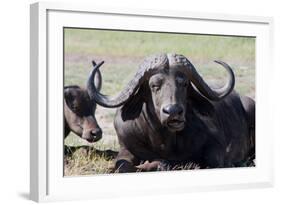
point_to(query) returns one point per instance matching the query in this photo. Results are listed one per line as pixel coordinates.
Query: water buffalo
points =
(79, 112)
(170, 115)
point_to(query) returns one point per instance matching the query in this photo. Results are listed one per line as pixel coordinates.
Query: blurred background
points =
(122, 52)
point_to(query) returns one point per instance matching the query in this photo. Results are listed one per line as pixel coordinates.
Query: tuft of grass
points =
(87, 160)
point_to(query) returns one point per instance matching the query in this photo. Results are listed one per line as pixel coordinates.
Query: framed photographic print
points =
(122, 97)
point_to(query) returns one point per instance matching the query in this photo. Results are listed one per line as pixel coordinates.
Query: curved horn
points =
(202, 86)
(150, 65)
(98, 79)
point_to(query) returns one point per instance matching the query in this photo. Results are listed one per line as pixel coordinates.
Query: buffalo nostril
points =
(166, 110)
(173, 109)
(180, 111)
(96, 132)
(93, 132)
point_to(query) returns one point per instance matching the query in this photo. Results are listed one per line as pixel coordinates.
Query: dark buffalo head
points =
(164, 82)
(168, 90)
(79, 111)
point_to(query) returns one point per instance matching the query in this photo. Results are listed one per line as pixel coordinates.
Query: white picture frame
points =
(46, 155)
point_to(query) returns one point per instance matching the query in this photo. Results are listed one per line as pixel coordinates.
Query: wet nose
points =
(96, 132)
(173, 109)
(92, 135)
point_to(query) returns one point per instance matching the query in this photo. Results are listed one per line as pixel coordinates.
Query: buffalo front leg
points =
(149, 166)
(125, 161)
(213, 156)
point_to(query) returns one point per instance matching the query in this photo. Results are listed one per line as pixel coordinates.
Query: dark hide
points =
(216, 134)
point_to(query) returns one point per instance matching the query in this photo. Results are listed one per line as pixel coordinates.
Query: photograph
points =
(146, 101)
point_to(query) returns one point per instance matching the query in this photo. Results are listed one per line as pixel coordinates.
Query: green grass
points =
(123, 52)
(139, 44)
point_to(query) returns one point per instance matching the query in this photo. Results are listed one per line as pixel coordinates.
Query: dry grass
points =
(87, 160)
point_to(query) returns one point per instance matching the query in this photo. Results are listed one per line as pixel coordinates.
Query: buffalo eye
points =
(181, 82)
(74, 107)
(155, 82)
(155, 87)
(68, 95)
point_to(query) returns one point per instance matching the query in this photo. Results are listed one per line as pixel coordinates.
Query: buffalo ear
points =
(198, 102)
(132, 108)
(69, 97)
(194, 94)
